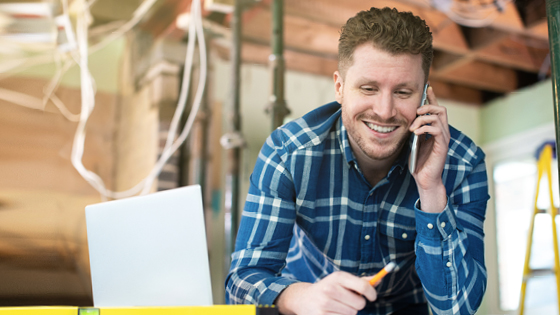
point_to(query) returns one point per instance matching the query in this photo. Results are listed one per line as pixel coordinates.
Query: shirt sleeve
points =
(265, 231)
(450, 248)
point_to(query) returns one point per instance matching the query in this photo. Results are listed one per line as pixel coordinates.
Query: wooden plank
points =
(295, 61)
(539, 29)
(449, 91)
(37, 145)
(165, 13)
(308, 31)
(509, 20)
(299, 34)
(480, 38)
(482, 76)
(509, 53)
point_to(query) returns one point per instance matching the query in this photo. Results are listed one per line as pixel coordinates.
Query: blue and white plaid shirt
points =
(310, 212)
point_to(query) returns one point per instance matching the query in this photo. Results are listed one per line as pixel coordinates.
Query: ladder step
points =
(541, 272)
(543, 211)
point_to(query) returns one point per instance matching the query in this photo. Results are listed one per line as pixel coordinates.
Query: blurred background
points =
(96, 98)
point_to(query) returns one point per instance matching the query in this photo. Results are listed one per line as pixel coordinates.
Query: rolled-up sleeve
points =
(265, 231)
(450, 247)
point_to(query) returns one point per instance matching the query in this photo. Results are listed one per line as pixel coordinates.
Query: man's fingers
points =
(431, 96)
(355, 288)
(433, 107)
(359, 285)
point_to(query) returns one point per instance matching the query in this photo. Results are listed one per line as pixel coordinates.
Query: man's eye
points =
(403, 93)
(368, 89)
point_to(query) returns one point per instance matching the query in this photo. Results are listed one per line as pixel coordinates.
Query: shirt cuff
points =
(274, 289)
(436, 225)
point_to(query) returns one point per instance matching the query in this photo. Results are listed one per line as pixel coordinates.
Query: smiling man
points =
(332, 201)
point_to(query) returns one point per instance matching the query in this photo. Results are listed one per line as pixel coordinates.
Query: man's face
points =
(379, 97)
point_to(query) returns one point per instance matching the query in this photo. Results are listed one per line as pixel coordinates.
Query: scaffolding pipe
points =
(233, 140)
(553, 16)
(277, 107)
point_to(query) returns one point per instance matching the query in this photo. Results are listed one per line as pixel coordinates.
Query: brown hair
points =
(387, 29)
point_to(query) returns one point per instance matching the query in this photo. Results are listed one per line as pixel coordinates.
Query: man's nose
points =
(384, 107)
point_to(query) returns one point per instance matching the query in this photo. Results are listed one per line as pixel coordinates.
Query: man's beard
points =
(376, 150)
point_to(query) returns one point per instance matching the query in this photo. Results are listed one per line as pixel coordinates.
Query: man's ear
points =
(338, 86)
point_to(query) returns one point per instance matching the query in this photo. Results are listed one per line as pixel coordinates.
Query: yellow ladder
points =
(544, 163)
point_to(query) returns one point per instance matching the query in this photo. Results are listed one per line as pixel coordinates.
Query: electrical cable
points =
(144, 186)
(21, 99)
(80, 57)
(169, 150)
(139, 13)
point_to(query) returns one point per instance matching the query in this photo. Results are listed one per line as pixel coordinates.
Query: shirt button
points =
(442, 224)
(367, 237)
(430, 226)
(448, 264)
(404, 235)
(363, 273)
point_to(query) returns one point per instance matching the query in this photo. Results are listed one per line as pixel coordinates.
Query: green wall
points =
(520, 111)
(104, 66)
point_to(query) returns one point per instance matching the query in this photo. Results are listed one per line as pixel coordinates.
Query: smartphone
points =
(413, 158)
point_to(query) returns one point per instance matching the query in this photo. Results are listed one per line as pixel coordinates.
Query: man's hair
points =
(386, 29)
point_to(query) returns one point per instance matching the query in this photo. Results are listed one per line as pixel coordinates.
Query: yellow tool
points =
(544, 163)
(171, 310)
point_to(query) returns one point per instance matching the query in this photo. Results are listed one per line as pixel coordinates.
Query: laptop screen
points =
(149, 250)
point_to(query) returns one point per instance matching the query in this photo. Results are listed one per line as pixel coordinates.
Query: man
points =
(332, 201)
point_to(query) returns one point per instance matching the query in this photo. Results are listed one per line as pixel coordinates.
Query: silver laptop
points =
(149, 250)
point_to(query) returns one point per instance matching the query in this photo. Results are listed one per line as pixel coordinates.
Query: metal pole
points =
(232, 141)
(553, 16)
(277, 106)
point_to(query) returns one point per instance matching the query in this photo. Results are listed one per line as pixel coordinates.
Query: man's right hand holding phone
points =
(432, 153)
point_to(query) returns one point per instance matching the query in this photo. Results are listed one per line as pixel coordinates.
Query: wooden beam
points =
(539, 29)
(454, 92)
(534, 12)
(490, 46)
(509, 53)
(447, 34)
(37, 145)
(444, 61)
(482, 76)
(509, 20)
(299, 34)
(253, 53)
(162, 20)
(480, 38)
(307, 30)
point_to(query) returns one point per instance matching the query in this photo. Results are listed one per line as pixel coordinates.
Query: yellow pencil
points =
(390, 266)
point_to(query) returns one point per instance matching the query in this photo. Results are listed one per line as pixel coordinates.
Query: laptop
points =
(149, 250)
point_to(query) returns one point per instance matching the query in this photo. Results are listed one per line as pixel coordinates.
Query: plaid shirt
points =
(310, 212)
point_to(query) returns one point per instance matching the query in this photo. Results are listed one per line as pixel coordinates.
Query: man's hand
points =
(338, 293)
(432, 153)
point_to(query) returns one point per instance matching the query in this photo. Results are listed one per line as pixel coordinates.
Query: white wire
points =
(185, 84)
(88, 93)
(88, 103)
(21, 99)
(168, 151)
(139, 13)
(144, 186)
